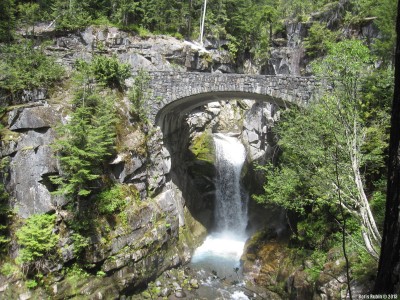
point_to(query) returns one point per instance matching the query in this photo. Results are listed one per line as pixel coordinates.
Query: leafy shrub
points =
(112, 200)
(139, 94)
(80, 242)
(24, 67)
(31, 283)
(8, 269)
(36, 237)
(70, 17)
(317, 259)
(109, 71)
(318, 40)
(365, 266)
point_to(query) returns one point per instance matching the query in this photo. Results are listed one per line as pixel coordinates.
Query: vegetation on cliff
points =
(331, 171)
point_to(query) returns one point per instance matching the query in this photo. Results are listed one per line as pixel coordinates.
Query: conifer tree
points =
(84, 145)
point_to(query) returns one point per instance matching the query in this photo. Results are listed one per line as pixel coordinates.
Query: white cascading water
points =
(230, 205)
(222, 249)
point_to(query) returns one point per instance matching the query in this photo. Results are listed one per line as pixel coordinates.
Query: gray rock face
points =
(160, 53)
(257, 136)
(288, 57)
(29, 171)
(32, 118)
(31, 159)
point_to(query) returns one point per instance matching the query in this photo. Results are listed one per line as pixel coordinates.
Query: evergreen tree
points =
(28, 16)
(70, 14)
(84, 145)
(7, 20)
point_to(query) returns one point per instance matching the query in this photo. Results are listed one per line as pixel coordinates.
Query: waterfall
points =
(230, 201)
(222, 249)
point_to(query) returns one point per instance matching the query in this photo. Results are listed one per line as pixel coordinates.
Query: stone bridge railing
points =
(179, 92)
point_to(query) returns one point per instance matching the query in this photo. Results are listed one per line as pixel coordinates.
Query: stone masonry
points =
(180, 92)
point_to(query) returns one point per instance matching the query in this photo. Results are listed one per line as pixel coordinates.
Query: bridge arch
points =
(183, 106)
(173, 95)
(177, 93)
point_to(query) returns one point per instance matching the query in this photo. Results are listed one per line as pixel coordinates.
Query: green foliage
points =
(31, 284)
(7, 20)
(378, 203)
(298, 9)
(364, 266)
(317, 229)
(318, 40)
(112, 200)
(321, 146)
(28, 15)
(80, 242)
(248, 24)
(202, 147)
(384, 46)
(87, 140)
(345, 65)
(139, 94)
(125, 11)
(84, 145)
(291, 188)
(109, 71)
(70, 14)
(25, 67)
(318, 259)
(383, 15)
(8, 269)
(36, 237)
(106, 71)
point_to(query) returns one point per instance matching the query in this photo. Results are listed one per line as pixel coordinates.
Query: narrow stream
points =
(217, 260)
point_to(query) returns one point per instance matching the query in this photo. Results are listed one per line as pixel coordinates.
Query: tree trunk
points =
(388, 277)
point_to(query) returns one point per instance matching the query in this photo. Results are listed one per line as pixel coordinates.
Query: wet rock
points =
(180, 294)
(194, 283)
(176, 286)
(25, 296)
(165, 292)
(3, 287)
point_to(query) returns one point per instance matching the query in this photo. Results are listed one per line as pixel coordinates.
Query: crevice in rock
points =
(41, 130)
(46, 181)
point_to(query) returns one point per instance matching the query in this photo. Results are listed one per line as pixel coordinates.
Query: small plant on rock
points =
(37, 240)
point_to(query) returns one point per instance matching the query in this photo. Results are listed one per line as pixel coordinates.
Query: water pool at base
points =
(217, 264)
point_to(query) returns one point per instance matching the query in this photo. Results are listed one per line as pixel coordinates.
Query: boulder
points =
(32, 118)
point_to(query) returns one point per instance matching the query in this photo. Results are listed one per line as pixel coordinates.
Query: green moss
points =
(202, 147)
(192, 234)
(8, 136)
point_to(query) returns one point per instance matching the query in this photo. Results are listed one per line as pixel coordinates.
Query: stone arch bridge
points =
(177, 93)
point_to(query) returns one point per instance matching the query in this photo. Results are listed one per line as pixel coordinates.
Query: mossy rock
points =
(203, 148)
